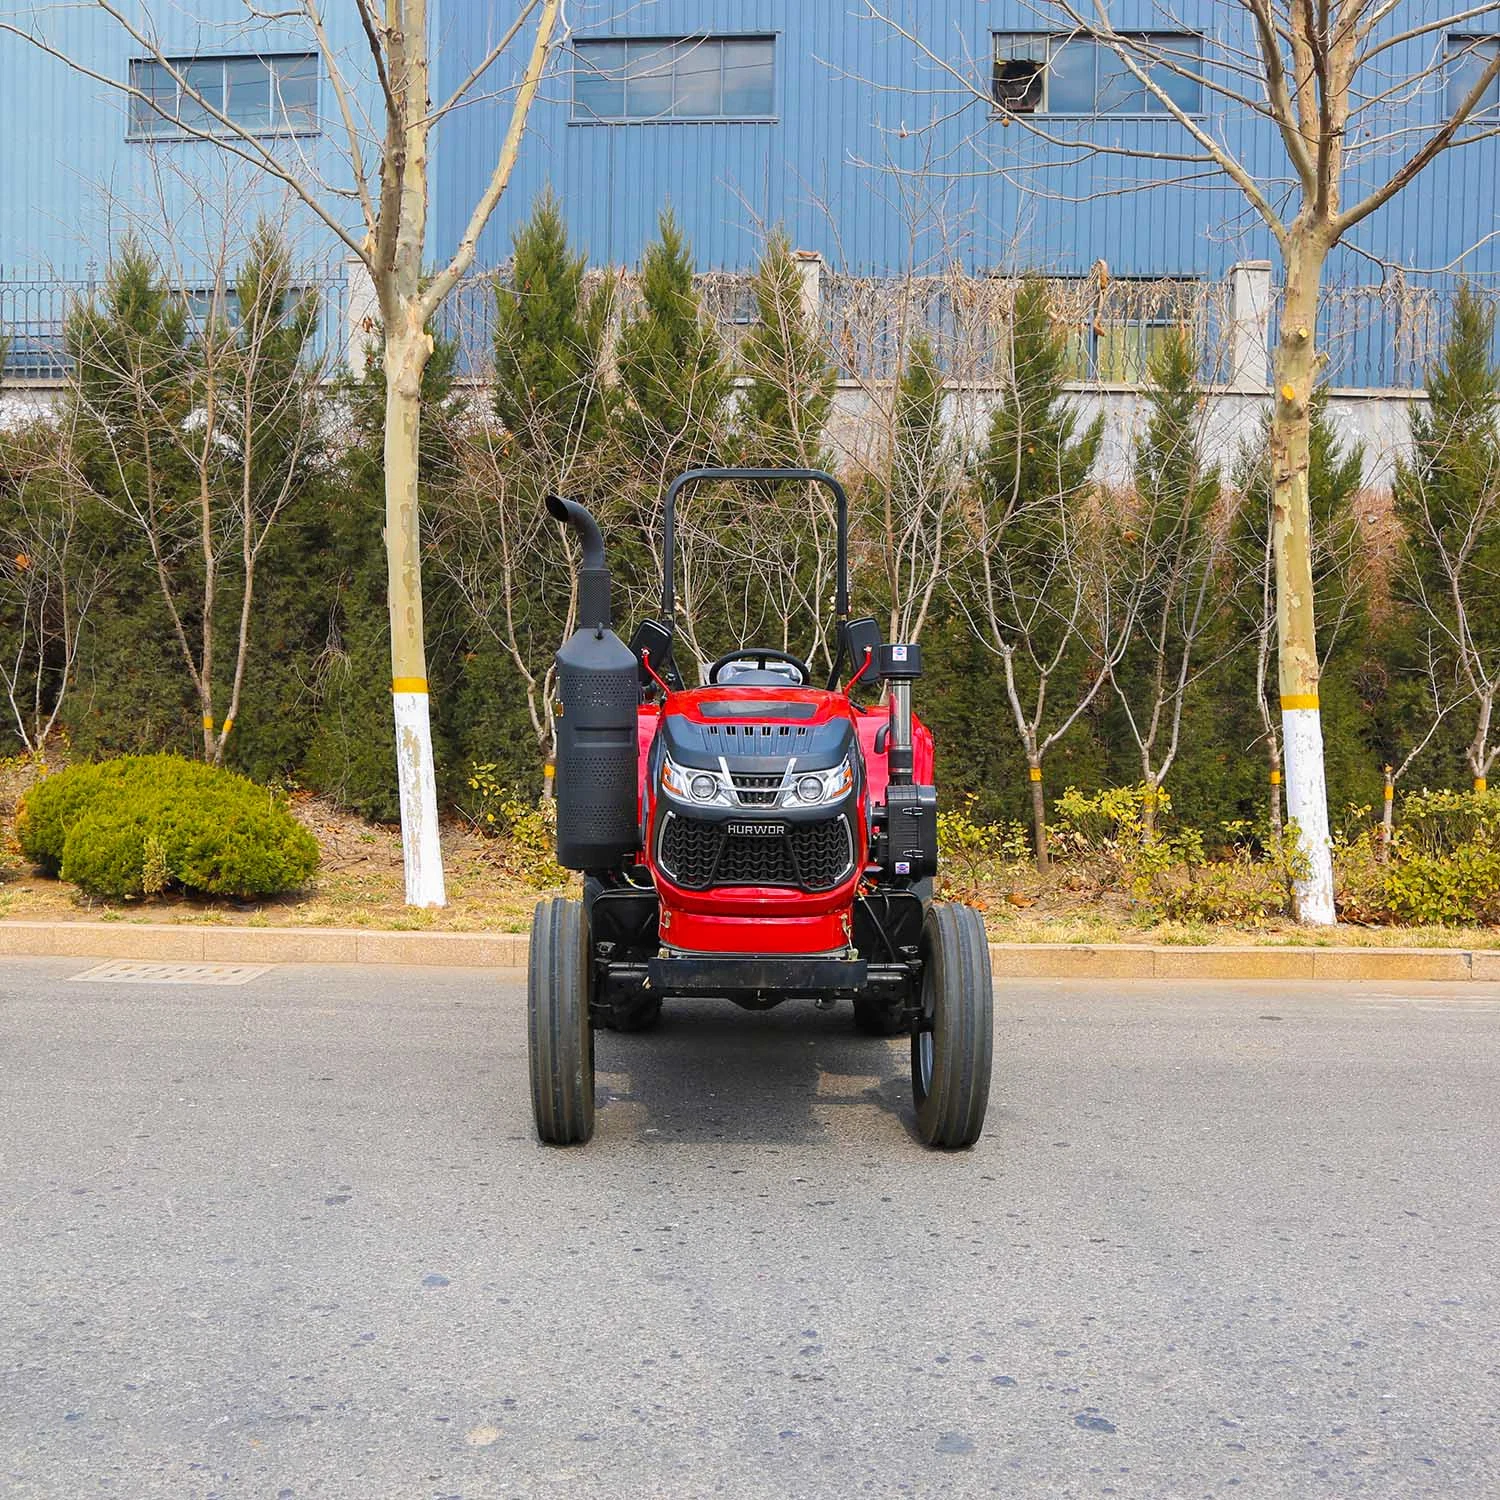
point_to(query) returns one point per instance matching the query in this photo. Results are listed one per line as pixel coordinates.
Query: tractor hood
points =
(753, 731)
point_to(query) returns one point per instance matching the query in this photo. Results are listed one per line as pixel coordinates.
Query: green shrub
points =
(1445, 860)
(529, 829)
(972, 853)
(1461, 887)
(144, 824)
(1442, 822)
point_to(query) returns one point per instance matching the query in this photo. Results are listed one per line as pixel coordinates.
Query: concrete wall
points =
(1231, 420)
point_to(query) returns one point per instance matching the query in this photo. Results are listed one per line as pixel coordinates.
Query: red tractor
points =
(757, 838)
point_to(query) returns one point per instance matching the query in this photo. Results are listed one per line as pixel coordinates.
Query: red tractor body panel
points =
(770, 920)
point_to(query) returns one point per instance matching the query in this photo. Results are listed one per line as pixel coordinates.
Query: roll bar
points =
(701, 476)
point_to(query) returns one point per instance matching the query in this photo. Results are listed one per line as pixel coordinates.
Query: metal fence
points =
(34, 315)
(1382, 337)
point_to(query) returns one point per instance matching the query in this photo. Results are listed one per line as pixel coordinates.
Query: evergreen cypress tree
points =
(674, 378)
(1036, 605)
(1448, 499)
(1035, 450)
(783, 411)
(550, 391)
(131, 392)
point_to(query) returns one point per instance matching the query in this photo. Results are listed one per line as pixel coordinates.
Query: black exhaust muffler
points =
(598, 692)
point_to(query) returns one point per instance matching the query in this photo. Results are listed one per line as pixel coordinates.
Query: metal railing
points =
(34, 314)
(1384, 337)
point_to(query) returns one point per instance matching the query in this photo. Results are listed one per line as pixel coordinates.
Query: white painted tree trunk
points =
(421, 851)
(1307, 804)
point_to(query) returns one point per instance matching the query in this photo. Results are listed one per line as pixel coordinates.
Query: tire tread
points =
(560, 1041)
(952, 1114)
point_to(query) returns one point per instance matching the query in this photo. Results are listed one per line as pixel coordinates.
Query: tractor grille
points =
(756, 791)
(808, 856)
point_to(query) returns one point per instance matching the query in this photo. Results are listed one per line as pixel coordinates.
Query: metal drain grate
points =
(134, 971)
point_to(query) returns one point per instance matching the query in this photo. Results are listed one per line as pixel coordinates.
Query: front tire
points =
(559, 1033)
(952, 1043)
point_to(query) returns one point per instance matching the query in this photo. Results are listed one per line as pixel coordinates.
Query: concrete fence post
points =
(1250, 331)
(810, 265)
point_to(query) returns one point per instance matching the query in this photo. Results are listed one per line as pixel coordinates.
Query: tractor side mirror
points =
(653, 636)
(858, 636)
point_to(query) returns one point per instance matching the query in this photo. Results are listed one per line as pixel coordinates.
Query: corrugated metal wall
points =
(881, 161)
(875, 156)
(72, 184)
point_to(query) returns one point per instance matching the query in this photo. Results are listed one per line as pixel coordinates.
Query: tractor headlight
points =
(814, 787)
(692, 785)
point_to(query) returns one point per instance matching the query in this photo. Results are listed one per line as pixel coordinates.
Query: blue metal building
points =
(887, 156)
(884, 154)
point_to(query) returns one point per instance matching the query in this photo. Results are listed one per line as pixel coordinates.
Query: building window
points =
(1468, 57)
(674, 78)
(1125, 324)
(1038, 74)
(267, 95)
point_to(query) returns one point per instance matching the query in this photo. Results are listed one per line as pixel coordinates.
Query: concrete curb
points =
(174, 942)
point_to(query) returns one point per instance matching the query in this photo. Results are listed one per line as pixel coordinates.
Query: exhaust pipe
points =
(598, 689)
(900, 665)
(593, 574)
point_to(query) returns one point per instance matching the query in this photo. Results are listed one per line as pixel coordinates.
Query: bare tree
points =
(386, 162)
(1173, 535)
(1346, 111)
(199, 443)
(53, 568)
(1041, 592)
(1448, 496)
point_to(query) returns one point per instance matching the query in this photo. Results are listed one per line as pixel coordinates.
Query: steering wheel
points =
(760, 655)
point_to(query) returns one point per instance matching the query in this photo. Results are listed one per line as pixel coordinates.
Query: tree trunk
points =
(1148, 809)
(1479, 755)
(407, 349)
(1387, 818)
(1038, 818)
(1301, 723)
(1273, 753)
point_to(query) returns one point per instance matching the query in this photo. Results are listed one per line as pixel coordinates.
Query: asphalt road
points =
(295, 1238)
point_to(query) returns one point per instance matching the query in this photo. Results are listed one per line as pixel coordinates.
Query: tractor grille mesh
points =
(756, 791)
(809, 856)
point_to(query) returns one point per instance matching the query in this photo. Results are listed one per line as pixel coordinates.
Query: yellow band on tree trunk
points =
(208, 722)
(1036, 773)
(1299, 700)
(408, 684)
(1480, 784)
(1275, 778)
